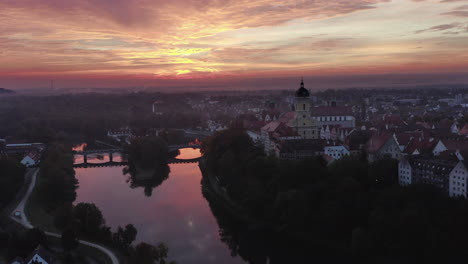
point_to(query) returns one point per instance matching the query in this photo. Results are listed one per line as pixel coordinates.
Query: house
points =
(383, 145)
(31, 159)
(274, 132)
(420, 145)
(447, 125)
(39, 256)
(450, 144)
(391, 122)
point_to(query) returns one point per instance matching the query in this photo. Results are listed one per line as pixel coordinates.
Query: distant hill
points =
(6, 91)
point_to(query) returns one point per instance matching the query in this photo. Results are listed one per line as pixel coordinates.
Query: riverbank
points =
(211, 186)
(91, 250)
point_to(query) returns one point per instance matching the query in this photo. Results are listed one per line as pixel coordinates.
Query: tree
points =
(11, 179)
(58, 185)
(149, 254)
(89, 219)
(63, 216)
(68, 239)
(123, 238)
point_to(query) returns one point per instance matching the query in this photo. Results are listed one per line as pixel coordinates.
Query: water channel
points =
(175, 213)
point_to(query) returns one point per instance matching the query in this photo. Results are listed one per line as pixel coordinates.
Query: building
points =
(428, 170)
(336, 152)
(451, 145)
(275, 132)
(24, 148)
(335, 132)
(295, 149)
(304, 125)
(31, 159)
(458, 180)
(333, 115)
(448, 174)
(404, 172)
(383, 145)
(156, 108)
(121, 134)
(39, 256)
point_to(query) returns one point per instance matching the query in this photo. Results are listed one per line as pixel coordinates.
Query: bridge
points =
(120, 150)
(111, 151)
(118, 164)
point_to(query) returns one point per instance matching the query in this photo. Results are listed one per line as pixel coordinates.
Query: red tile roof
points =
(331, 111)
(375, 143)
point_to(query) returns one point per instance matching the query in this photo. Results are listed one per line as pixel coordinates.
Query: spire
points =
(302, 82)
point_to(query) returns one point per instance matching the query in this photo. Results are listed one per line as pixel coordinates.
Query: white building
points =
(449, 176)
(404, 173)
(28, 161)
(458, 180)
(336, 152)
(255, 136)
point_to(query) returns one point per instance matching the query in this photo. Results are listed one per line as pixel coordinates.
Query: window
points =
(303, 106)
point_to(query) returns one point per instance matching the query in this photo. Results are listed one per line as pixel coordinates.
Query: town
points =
(423, 129)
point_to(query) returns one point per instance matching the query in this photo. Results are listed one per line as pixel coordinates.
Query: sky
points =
(224, 43)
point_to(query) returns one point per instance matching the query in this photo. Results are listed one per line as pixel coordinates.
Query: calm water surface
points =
(176, 213)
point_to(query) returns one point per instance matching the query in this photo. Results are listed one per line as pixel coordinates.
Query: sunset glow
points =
(180, 39)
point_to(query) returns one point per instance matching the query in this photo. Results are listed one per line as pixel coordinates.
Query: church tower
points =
(303, 123)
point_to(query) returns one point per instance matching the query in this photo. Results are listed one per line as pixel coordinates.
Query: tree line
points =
(354, 206)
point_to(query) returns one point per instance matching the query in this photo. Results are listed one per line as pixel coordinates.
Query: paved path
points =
(23, 220)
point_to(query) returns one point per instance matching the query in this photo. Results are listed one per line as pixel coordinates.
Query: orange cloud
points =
(213, 38)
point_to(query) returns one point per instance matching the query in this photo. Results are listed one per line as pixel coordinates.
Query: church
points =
(330, 122)
(302, 123)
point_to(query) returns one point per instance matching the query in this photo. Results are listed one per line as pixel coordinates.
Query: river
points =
(176, 213)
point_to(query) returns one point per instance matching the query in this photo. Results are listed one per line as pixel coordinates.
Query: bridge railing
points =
(105, 151)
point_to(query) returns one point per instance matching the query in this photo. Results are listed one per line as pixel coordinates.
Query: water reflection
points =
(146, 178)
(176, 213)
(188, 153)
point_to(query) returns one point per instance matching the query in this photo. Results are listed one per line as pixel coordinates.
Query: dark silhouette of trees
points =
(147, 163)
(149, 254)
(69, 240)
(11, 179)
(58, 183)
(351, 207)
(89, 219)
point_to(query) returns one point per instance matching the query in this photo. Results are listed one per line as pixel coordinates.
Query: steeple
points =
(302, 92)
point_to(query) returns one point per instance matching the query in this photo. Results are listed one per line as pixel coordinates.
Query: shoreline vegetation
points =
(354, 208)
(51, 208)
(148, 159)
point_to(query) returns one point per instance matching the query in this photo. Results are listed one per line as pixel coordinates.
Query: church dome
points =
(302, 92)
